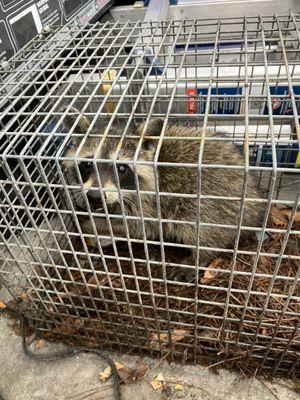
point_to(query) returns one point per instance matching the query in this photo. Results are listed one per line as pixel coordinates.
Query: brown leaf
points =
(159, 382)
(117, 283)
(124, 372)
(162, 336)
(130, 375)
(66, 329)
(78, 323)
(208, 274)
(119, 365)
(92, 280)
(278, 217)
(126, 375)
(50, 308)
(141, 370)
(2, 305)
(16, 326)
(264, 332)
(209, 335)
(264, 261)
(288, 213)
(24, 296)
(39, 344)
(176, 335)
(154, 344)
(18, 329)
(179, 334)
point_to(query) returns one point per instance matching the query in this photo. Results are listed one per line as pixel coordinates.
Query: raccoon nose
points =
(94, 196)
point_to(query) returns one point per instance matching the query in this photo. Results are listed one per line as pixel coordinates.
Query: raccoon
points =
(178, 211)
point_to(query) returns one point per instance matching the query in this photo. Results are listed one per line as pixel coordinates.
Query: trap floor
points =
(77, 378)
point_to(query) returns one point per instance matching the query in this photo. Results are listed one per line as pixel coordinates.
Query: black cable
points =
(61, 354)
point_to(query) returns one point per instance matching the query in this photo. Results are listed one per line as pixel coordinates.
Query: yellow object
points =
(298, 160)
(110, 75)
(178, 387)
(138, 4)
(159, 382)
(105, 374)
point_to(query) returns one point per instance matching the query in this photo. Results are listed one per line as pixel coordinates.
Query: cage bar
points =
(70, 92)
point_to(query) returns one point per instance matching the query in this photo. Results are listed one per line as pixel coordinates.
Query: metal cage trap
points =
(75, 88)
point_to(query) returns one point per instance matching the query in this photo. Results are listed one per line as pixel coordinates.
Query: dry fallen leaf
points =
(209, 335)
(263, 260)
(278, 217)
(24, 296)
(105, 374)
(92, 281)
(208, 274)
(288, 214)
(2, 305)
(178, 387)
(154, 343)
(78, 323)
(176, 335)
(16, 326)
(50, 308)
(119, 365)
(129, 375)
(141, 370)
(159, 382)
(126, 374)
(39, 344)
(179, 334)
(265, 332)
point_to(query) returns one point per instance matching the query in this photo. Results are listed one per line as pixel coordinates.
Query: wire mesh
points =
(139, 264)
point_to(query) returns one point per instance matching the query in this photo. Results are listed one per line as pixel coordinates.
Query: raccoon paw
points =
(184, 274)
(180, 274)
(92, 243)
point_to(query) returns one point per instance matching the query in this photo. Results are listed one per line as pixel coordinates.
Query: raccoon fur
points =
(214, 182)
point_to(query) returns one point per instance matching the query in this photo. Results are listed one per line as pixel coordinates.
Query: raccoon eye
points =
(123, 169)
(85, 169)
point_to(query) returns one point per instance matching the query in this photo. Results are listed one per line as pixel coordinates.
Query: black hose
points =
(61, 354)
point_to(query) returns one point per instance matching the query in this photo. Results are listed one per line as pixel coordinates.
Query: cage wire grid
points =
(239, 76)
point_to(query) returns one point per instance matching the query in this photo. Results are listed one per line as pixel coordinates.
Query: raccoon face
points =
(122, 175)
(107, 176)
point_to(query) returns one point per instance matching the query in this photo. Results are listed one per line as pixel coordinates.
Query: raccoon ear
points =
(153, 129)
(69, 121)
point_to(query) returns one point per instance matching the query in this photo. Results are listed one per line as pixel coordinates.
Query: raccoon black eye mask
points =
(126, 177)
(85, 168)
(125, 173)
(219, 217)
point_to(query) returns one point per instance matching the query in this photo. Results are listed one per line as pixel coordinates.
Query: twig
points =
(89, 391)
(161, 360)
(267, 387)
(224, 361)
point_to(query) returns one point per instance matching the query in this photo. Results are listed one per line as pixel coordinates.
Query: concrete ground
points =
(77, 378)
